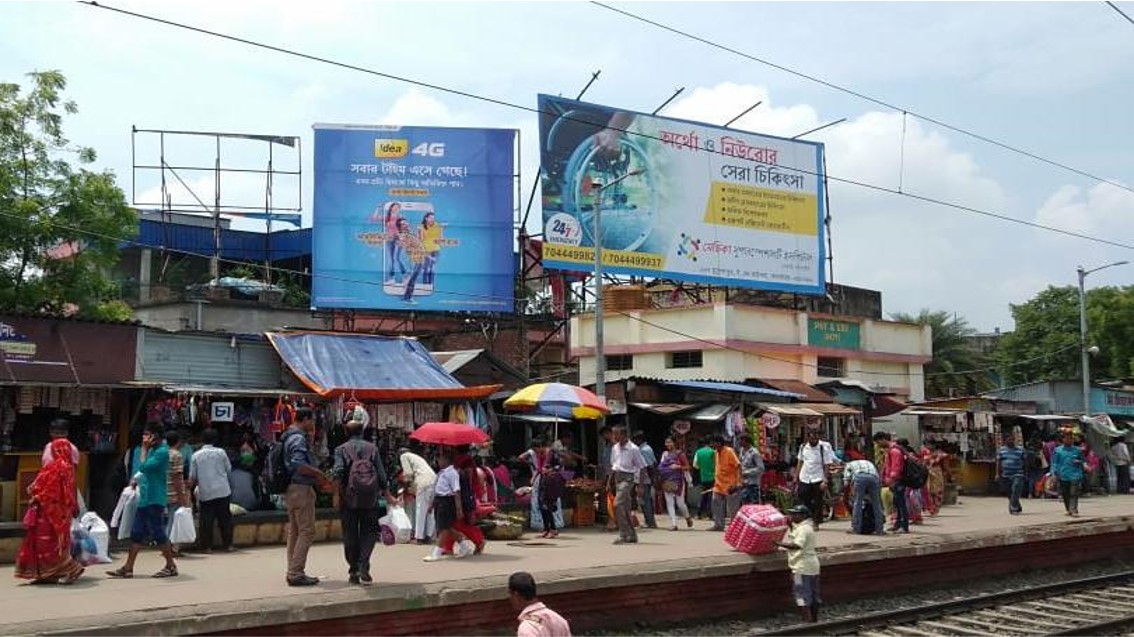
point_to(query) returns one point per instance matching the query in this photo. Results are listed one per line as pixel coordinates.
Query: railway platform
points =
(667, 576)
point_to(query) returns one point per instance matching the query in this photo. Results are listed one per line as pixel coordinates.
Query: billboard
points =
(680, 200)
(413, 218)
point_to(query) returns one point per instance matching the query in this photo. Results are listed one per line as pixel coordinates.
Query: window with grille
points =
(684, 360)
(832, 367)
(620, 362)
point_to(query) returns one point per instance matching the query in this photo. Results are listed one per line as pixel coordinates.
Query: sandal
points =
(121, 573)
(165, 572)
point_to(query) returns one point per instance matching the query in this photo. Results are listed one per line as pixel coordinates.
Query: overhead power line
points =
(1120, 12)
(868, 98)
(507, 104)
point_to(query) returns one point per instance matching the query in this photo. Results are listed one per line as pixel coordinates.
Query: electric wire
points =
(1120, 12)
(505, 103)
(863, 96)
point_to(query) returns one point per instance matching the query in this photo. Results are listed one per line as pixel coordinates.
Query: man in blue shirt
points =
(149, 521)
(646, 480)
(1011, 459)
(1067, 467)
(300, 497)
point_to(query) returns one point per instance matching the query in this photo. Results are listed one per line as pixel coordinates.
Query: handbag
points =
(31, 517)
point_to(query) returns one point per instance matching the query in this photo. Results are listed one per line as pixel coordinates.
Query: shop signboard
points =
(222, 412)
(680, 200)
(834, 334)
(1109, 401)
(413, 218)
(50, 350)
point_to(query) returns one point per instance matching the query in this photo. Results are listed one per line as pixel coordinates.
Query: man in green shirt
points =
(149, 521)
(705, 461)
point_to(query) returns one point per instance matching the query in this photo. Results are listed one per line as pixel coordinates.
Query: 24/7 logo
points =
(689, 247)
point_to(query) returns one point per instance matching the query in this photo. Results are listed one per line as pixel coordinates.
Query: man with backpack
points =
(360, 478)
(291, 462)
(895, 462)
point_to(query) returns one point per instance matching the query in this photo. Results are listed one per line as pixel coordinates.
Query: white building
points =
(739, 342)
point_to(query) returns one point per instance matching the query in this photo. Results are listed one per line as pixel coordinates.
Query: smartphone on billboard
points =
(406, 264)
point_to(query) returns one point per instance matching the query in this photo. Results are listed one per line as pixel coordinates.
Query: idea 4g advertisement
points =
(680, 200)
(413, 218)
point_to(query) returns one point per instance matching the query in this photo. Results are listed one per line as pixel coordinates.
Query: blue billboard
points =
(413, 218)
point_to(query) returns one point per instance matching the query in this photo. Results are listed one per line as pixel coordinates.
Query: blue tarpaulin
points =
(370, 367)
(731, 387)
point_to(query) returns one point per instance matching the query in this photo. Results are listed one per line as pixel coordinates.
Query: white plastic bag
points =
(83, 546)
(123, 518)
(399, 523)
(100, 532)
(183, 530)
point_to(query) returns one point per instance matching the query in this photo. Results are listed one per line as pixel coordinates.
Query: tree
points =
(1045, 344)
(956, 368)
(60, 223)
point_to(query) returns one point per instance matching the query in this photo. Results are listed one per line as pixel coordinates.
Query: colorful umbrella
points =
(560, 400)
(452, 434)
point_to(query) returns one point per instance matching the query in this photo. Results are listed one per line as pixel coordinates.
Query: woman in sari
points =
(45, 555)
(539, 457)
(935, 484)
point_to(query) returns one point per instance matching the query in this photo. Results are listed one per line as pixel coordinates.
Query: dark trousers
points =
(706, 506)
(548, 514)
(901, 507)
(1015, 487)
(1123, 481)
(811, 496)
(219, 511)
(360, 534)
(1069, 489)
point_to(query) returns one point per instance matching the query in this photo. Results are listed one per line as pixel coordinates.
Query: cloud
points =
(1101, 210)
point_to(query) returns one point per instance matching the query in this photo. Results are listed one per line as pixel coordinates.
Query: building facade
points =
(740, 342)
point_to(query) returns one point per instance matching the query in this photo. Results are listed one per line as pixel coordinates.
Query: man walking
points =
(149, 521)
(803, 560)
(646, 480)
(726, 482)
(1120, 456)
(626, 465)
(210, 472)
(360, 479)
(862, 477)
(704, 461)
(751, 471)
(1011, 460)
(417, 473)
(536, 619)
(895, 463)
(813, 466)
(300, 496)
(1067, 466)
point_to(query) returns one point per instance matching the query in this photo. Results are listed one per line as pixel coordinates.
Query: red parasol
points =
(449, 433)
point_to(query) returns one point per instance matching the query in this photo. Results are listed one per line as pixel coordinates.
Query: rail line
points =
(1092, 606)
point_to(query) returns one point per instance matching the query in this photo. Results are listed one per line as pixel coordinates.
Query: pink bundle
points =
(756, 529)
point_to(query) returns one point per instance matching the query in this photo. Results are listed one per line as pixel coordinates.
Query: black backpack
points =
(362, 477)
(276, 474)
(914, 473)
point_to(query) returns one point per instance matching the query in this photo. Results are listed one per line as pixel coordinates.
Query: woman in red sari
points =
(45, 555)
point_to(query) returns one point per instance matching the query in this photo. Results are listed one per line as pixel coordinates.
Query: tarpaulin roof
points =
(730, 387)
(370, 367)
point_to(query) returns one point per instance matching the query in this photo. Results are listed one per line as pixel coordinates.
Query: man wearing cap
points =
(813, 464)
(803, 560)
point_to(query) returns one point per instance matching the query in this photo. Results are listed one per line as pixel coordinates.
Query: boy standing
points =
(803, 562)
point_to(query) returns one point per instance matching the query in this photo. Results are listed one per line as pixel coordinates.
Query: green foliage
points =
(952, 371)
(48, 199)
(1045, 344)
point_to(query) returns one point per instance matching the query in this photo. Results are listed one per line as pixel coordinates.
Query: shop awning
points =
(830, 409)
(221, 390)
(786, 409)
(886, 405)
(390, 369)
(1046, 417)
(931, 412)
(710, 413)
(662, 409)
(735, 388)
(807, 392)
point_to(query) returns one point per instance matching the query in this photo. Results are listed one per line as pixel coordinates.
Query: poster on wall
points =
(680, 200)
(413, 218)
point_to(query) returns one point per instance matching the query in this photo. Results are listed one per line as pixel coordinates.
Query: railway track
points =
(1092, 606)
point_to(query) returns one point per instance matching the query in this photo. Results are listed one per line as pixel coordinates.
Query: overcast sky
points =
(1056, 79)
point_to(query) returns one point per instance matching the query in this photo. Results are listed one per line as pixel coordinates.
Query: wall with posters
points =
(698, 203)
(413, 218)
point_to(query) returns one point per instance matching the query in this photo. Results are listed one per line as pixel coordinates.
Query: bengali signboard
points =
(836, 334)
(413, 218)
(680, 200)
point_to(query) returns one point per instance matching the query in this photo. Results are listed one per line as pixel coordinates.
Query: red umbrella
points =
(449, 433)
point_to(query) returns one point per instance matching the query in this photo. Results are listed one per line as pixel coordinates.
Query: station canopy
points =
(367, 367)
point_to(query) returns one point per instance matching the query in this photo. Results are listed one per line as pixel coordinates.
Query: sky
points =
(1053, 78)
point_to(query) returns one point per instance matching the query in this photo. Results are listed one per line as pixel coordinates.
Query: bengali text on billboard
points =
(680, 200)
(413, 218)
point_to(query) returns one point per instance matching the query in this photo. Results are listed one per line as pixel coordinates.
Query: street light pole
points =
(600, 351)
(1083, 350)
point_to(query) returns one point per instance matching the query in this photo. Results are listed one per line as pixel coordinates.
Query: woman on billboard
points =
(394, 250)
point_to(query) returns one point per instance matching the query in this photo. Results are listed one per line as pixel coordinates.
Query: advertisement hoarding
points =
(680, 200)
(413, 218)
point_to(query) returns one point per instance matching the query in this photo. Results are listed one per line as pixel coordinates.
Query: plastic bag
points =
(97, 529)
(399, 523)
(124, 512)
(83, 547)
(183, 530)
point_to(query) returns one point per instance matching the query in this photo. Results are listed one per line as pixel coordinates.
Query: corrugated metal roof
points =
(735, 388)
(452, 361)
(786, 409)
(241, 245)
(830, 409)
(710, 413)
(809, 393)
(663, 409)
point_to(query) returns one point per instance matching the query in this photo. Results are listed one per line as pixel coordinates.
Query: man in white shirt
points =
(812, 468)
(861, 479)
(448, 509)
(419, 476)
(626, 463)
(210, 471)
